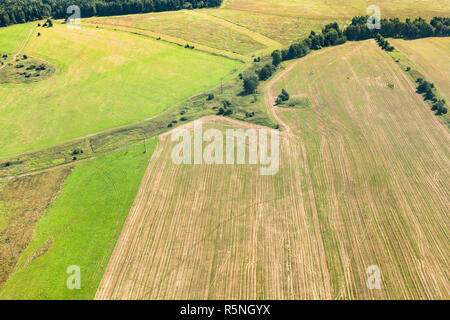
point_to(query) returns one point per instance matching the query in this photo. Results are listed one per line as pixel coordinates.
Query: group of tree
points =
(265, 72)
(394, 28)
(282, 97)
(20, 11)
(439, 107)
(383, 43)
(425, 88)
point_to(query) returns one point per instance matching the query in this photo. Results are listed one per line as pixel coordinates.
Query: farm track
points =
(355, 188)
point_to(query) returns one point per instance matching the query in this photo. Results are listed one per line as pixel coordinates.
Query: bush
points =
(211, 96)
(41, 67)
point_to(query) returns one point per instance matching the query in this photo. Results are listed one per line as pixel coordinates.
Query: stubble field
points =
(432, 57)
(362, 181)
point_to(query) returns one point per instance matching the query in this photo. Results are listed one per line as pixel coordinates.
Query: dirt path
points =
(21, 48)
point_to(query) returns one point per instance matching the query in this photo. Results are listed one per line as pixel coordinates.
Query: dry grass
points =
(338, 8)
(289, 20)
(284, 29)
(363, 180)
(431, 56)
(192, 28)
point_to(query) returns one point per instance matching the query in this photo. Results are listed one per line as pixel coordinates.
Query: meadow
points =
(80, 227)
(362, 181)
(103, 79)
(11, 38)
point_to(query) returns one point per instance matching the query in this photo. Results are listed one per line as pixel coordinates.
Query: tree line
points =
(383, 43)
(21, 11)
(332, 35)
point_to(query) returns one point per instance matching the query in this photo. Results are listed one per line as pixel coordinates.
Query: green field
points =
(80, 228)
(11, 38)
(103, 79)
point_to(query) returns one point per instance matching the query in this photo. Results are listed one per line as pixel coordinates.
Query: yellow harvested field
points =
(432, 57)
(338, 8)
(363, 180)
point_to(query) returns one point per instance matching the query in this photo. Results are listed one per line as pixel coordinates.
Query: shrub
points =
(77, 151)
(226, 103)
(211, 96)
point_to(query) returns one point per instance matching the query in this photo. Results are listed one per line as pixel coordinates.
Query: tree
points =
(276, 58)
(250, 84)
(283, 96)
(265, 72)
